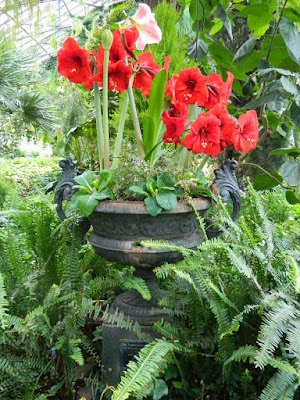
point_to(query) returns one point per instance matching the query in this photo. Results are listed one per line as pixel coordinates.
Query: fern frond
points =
(281, 386)
(242, 353)
(236, 322)
(133, 282)
(150, 362)
(274, 325)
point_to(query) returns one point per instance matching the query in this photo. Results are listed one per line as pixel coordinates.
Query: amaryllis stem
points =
(99, 127)
(185, 156)
(204, 161)
(135, 120)
(105, 109)
(120, 133)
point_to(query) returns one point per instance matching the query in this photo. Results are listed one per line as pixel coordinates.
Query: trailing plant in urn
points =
(188, 110)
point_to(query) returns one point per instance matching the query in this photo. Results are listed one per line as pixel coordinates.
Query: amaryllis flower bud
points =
(107, 39)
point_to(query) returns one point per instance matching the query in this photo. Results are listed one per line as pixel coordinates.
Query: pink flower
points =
(149, 31)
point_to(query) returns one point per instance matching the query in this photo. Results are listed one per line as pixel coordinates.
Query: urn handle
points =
(227, 187)
(64, 189)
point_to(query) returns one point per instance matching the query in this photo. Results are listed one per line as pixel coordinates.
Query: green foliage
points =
(234, 301)
(160, 192)
(90, 191)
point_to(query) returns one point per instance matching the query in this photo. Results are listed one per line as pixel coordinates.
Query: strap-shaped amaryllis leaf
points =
(104, 179)
(151, 122)
(148, 133)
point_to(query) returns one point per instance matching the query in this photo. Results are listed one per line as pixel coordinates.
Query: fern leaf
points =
(132, 282)
(272, 329)
(151, 361)
(279, 386)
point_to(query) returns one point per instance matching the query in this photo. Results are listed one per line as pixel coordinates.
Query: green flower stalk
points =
(107, 40)
(99, 127)
(119, 137)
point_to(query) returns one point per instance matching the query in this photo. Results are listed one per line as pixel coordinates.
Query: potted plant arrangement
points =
(188, 111)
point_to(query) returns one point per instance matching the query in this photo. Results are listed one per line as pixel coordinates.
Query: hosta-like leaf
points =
(86, 179)
(152, 206)
(87, 204)
(104, 179)
(290, 172)
(167, 200)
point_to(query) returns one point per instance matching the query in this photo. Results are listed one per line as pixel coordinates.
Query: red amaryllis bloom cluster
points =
(214, 129)
(77, 65)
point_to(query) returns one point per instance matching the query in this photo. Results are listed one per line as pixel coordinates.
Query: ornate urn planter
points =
(118, 229)
(120, 226)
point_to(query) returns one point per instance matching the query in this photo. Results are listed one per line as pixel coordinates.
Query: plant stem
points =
(99, 127)
(267, 173)
(120, 133)
(275, 30)
(185, 157)
(135, 119)
(204, 161)
(105, 109)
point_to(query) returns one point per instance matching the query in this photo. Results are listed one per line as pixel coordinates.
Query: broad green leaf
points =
(86, 179)
(292, 15)
(151, 185)
(160, 389)
(220, 54)
(259, 17)
(295, 114)
(245, 48)
(216, 28)
(281, 131)
(87, 204)
(197, 49)
(138, 190)
(264, 64)
(276, 103)
(104, 179)
(288, 85)
(166, 200)
(152, 206)
(290, 172)
(148, 133)
(291, 37)
(294, 152)
(261, 100)
(221, 13)
(165, 179)
(278, 50)
(265, 182)
(104, 194)
(171, 372)
(292, 197)
(249, 62)
(279, 70)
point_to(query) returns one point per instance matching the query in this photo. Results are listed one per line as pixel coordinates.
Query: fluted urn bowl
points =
(120, 226)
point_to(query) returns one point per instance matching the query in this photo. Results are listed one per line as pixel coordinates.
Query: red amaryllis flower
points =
(130, 35)
(190, 87)
(215, 87)
(146, 71)
(227, 125)
(204, 136)
(246, 134)
(117, 51)
(118, 75)
(74, 61)
(226, 91)
(175, 128)
(179, 110)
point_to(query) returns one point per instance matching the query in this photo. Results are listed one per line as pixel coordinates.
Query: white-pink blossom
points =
(149, 31)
